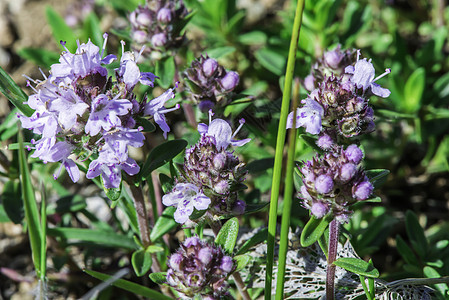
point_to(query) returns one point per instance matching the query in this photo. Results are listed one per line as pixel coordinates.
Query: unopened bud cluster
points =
(200, 269)
(210, 84)
(335, 181)
(157, 24)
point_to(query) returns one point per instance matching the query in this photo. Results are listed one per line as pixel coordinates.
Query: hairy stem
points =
(334, 231)
(142, 217)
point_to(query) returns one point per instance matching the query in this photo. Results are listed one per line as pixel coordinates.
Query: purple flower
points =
(222, 133)
(363, 190)
(156, 108)
(319, 209)
(185, 196)
(105, 113)
(325, 142)
(210, 65)
(347, 171)
(110, 171)
(130, 73)
(308, 116)
(69, 106)
(363, 77)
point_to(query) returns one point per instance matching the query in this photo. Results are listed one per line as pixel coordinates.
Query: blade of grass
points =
(44, 232)
(31, 210)
(277, 171)
(288, 193)
(14, 93)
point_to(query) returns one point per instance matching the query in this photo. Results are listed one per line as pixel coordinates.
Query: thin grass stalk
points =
(31, 210)
(44, 234)
(277, 170)
(334, 232)
(288, 193)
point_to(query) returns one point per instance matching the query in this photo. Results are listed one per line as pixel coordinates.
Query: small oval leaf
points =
(377, 176)
(241, 261)
(159, 278)
(227, 236)
(164, 223)
(162, 154)
(313, 230)
(141, 261)
(357, 266)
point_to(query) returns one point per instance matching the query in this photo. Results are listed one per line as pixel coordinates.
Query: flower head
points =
(308, 116)
(186, 197)
(200, 268)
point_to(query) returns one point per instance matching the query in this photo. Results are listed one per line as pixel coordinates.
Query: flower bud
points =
(143, 18)
(354, 154)
(175, 261)
(309, 82)
(205, 255)
(363, 190)
(159, 40)
(221, 187)
(226, 264)
(164, 15)
(239, 207)
(324, 184)
(230, 81)
(219, 161)
(206, 105)
(140, 36)
(333, 58)
(319, 209)
(347, 171)
(191, 242)
(325, 142)
(209, 67)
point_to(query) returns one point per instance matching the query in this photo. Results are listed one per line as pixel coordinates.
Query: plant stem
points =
(288, 192)
(334, 231)
(277, 170)
(142, 217)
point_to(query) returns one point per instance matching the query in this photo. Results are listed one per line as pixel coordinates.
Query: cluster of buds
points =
(338, 106)
(159, 24)
(212, 176)
(333, 62)
(200, 269)
(334, 182)
(82, 114)
(210, 84)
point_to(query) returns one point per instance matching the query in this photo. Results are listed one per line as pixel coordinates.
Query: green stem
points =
(277, 171)
(365, 288)
(142, 217)
(154, 207)
(288, 192)
(44, 234)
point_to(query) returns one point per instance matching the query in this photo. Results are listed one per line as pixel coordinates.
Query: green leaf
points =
(414, 89)
(311, 142)
(130, 286)
(12, 201)
(227, 236)
(141, 261)
(60, 30)
(220, 52)
(146, 124)
(165, 70)
(154, 249)
(357, 266)
(159, 278)
(14, 93)
(162, 154)
(253, 38)
(104, 238)
(271, 60)
(31, 209)
(3, 216)
(254, 240)
(166, 183)
(377, 176)
(313, 230)
(92, 29)
(241, 261)
(38, 56)
(164, 224)
(323, 241)
(255, 207)
(416, 233)
(260, 165)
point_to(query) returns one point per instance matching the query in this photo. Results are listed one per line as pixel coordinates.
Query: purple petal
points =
(72, 170)
(147, 78)
(202, 128)
(239, 143)
(201, 202)
(182, 214)
(380, 91)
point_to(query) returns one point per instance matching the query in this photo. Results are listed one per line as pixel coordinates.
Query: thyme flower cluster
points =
(199, 268)
(337, 109)
(209, 83)
(82, 114)
(212, 176)
(158, 24)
